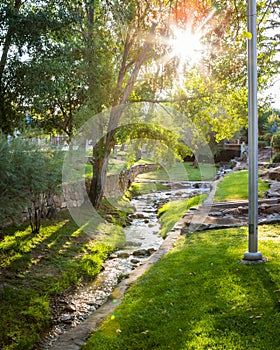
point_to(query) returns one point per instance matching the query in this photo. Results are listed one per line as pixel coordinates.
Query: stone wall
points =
(75, 194)
(116, 185)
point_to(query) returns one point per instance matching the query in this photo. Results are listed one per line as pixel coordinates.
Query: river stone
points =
(123, 255)
(231, 211)
(135, 261)
(216, 213)
(132, 244)
(138, 216)
(140, 252)
(151, 251)
(263, 207)
(67, 318)
(70, 307)
(113, 256)
(243, 210)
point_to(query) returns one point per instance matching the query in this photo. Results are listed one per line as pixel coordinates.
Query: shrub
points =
(27, 175)
(275, 142)
(276, 158)
(267, 137)
(262, 144)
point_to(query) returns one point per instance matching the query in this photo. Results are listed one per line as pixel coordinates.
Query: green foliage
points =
(28, 175)
(234, 186)
(151, 131)
(171, 212)
(267, 137)
(27, 30)
(275, 142)
(276, 158)
(262, 143)
(215, 110)
(199, 297)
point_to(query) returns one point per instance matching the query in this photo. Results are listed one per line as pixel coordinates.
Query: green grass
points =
(138, 188)
(182, 172)
(234, 186)
(172, 212)
(35, 268)
(199, 297)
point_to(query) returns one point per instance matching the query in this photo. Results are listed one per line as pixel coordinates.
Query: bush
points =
(276, 158)
(267, 137)
(27, 174)
(275, 142)
(262, 144)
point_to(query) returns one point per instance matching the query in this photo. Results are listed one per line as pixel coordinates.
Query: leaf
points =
(247, 35)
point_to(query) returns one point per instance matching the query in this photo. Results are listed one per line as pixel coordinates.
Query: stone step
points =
(235, 204)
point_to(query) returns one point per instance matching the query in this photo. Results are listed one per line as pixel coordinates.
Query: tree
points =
(25, 31)
(134, 54)
(217, 106)
(213, 95)
(61, 93)
(93, 55)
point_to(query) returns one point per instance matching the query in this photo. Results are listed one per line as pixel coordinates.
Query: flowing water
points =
(142, 239)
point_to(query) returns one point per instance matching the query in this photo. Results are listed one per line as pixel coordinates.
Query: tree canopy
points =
(64, 62)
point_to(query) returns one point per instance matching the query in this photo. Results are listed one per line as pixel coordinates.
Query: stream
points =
(142, 240)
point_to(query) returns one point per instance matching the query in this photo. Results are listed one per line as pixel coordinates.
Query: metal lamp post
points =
(253, 254)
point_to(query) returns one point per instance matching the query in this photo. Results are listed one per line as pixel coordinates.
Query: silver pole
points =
(252, 253)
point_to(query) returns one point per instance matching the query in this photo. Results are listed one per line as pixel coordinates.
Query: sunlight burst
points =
(186, 45)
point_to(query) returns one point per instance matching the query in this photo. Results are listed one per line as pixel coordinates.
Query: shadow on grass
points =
(37, 267)
(20, 249)
(199, 297)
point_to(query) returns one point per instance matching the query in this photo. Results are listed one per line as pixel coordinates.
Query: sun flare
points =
(186, 45)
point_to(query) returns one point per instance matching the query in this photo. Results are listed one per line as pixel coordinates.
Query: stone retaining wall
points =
(116, 185)
(75, 194)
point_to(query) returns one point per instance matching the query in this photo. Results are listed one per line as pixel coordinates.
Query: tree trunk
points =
(100, 166)
(98, 180)
(3, 60)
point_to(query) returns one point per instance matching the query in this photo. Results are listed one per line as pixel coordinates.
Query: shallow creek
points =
(142, 239)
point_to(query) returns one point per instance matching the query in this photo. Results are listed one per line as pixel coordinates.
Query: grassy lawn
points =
(234, 186)
(35, 268)
(172, 212)
(138, 188)
(182, 172)
(199, 297)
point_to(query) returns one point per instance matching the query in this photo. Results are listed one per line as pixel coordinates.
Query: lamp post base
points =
(253, 258)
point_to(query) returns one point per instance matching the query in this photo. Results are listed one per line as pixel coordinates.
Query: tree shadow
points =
(45, 254)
